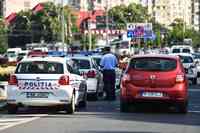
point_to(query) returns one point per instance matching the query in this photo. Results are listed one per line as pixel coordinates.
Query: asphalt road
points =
(105, 117)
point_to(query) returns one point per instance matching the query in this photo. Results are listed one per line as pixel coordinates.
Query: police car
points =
(88, 68)
(46, 81)
(189, 66)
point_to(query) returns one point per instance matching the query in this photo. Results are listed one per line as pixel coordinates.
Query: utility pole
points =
(91, 8)
(107, 21)
(63, 25)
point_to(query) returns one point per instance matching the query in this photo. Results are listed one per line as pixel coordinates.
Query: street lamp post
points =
(107, 21)
(63, 25)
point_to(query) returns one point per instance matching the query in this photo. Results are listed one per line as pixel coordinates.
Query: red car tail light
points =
(13, 80)
(64, 80)
(91, 74)
(180, 78)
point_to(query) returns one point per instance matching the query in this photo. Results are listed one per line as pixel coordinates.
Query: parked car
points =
(154, 78)
(44, 82)
(87, 67)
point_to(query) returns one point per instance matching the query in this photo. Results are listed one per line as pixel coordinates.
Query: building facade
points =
(196, 14)
(166, 11)
(11, 6)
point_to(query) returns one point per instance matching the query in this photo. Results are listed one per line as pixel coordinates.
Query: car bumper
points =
(38, 102)
(177, 93)
(57, 97)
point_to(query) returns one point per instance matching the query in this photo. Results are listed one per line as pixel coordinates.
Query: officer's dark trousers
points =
(109, 83)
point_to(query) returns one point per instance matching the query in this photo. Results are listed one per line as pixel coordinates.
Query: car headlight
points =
(190, 71)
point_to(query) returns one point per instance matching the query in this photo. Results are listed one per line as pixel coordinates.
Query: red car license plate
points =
(152, 94)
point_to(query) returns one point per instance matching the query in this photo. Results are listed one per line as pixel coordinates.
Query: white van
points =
(12, 54)
(182, 49)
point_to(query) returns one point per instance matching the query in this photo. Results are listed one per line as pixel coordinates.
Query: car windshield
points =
(176, 51)
(153, 64)
(186, 59)
(196, 56)
(11, 54)
(186, 50)
(40, 67)
(82, 63)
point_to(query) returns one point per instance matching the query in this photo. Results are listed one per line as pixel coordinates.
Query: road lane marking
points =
(11, 122)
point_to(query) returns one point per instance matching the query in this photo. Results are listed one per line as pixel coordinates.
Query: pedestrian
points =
(109, 63)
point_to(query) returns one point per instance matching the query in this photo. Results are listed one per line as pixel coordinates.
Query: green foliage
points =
(85, 41)
(3, 36)
(128, 14)
(45, 24)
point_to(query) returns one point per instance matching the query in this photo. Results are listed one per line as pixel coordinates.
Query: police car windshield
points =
(40, 67)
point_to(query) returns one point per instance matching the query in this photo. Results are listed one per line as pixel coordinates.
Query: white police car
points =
(89, 68)
(46, 81)
(189, 66)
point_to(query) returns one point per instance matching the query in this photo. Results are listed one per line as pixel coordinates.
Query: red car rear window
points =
(153, 64)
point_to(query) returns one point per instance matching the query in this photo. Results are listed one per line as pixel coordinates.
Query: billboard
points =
(139, 30)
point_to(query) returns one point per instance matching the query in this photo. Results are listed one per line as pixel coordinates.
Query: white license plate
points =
(37, 94)
(152, 94)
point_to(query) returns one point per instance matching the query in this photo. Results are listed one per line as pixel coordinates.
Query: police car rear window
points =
(82, 64)
(38, 67)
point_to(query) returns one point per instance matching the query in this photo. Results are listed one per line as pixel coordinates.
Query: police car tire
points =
(71, 107)
(194, 81)
(12, 109)
(83, 103)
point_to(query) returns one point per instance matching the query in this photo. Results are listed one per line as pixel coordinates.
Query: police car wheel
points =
(12, 109)
(83, 103)
(71, 107)
(194, 81)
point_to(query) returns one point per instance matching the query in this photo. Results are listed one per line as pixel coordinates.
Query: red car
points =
(154, 78)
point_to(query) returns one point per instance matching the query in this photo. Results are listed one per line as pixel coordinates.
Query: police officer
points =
(109, 63)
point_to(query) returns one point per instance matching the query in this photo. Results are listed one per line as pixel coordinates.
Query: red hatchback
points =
(154, 78)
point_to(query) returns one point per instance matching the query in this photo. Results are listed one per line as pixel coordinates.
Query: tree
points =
(44, 24)
(179, 33)
(85, 41)
(3, 36)
(128, 14)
